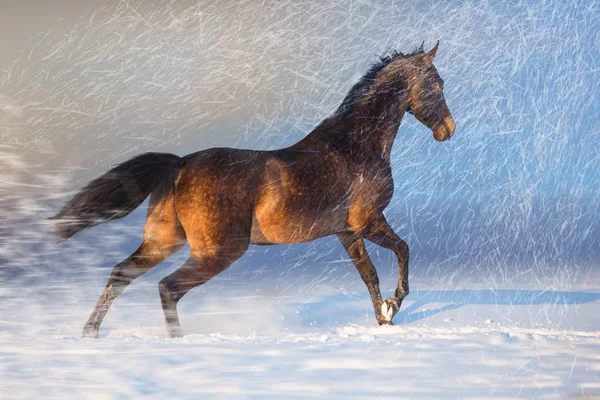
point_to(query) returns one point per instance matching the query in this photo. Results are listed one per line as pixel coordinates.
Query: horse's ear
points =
(422, 47)
(431, 54)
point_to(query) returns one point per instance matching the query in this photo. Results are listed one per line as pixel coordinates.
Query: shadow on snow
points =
(448, 299)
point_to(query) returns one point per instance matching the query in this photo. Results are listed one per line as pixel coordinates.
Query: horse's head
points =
(426, 98)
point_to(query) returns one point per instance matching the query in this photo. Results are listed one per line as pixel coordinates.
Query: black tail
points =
(118, 192)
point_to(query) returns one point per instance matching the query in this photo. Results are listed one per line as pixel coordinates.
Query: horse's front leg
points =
(357, 251)
(383, 235)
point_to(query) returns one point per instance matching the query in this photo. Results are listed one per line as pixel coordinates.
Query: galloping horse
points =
(335, 181)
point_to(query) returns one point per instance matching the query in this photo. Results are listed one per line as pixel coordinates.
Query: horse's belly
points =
(279, 221)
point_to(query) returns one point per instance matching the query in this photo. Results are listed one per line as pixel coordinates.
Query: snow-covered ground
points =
(503, 221)
(469, 343)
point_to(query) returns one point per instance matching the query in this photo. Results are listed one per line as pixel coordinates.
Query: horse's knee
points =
(357, 251)
(402, 248)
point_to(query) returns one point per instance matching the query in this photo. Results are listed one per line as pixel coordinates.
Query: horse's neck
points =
(359, 135)
(367, 130)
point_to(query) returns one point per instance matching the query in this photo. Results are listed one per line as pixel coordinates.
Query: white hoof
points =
(389, 308)
(386, 311)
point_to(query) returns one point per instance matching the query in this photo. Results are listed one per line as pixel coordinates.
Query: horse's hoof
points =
(389, 308)
(175, 333)
(90, 333)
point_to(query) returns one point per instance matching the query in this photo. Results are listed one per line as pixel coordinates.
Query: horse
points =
(337, 180)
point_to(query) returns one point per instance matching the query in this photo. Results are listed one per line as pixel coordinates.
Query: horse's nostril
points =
(440, 133)
(444, 130)
(450, 126)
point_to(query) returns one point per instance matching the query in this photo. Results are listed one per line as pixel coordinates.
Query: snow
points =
(503, 221)
(472, 344)
(393, 365)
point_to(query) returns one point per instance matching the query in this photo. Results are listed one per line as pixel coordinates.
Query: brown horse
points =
(335, 181)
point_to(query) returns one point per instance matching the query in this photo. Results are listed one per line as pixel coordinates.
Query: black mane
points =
(369, 77)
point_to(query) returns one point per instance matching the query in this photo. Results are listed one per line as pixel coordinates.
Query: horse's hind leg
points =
(197, 270)
(163, 236)
(122, 275)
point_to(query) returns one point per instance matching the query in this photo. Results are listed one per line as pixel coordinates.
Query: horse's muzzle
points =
(445, 130)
